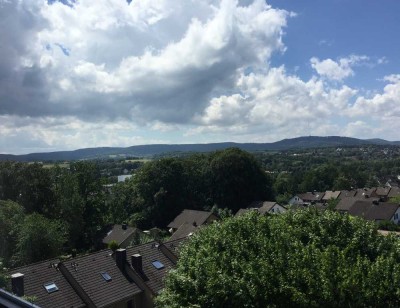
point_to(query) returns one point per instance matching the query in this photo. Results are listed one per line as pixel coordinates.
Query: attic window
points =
(106, 276)
(157, 264)
(50, 287)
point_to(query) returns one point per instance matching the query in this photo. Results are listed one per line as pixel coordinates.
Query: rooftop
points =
(152, 273)
(37, 275)
(88, 271)
(119, 233)
(190, 216)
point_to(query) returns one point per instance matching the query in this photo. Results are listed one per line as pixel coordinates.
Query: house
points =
(345, 204)
(362, 193)
(376, 211)
(347, 193)
(151, 262)
(186, 229)
(194, 217)
(330, 195)
(381, 192)
(263, 207)
(122, 234)
(46, 283)
(296, 200)
(307, 198)
(394, 192)
(126, 278)
(100, 281)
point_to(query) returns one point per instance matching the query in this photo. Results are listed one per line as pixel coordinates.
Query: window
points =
(50, 287)
(106, 276)
(157, 264)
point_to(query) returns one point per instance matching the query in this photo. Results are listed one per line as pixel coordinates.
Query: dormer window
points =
(50, 287)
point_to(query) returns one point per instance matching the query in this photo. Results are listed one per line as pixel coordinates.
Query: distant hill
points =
(157, 149)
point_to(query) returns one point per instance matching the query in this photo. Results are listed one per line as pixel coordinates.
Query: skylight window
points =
(157, 264)
(106, 276)
(50, 287)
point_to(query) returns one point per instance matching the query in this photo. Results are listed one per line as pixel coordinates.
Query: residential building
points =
(263, 207)
(122, 234)
(194, 217)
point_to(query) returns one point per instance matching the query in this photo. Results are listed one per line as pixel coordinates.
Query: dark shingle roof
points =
(360, 208)
(311, 196)
(373, 211)
(382, 211)
(175, 245)
(346, 203)
(150, 252)
(86, 271)
(38, 274)
(190, 216)
(394, 192)
(266, 207)
(262, 207)
(119, 234)
(347, 194)
(363, 192)
(183, 231)
(331, 195)
(382, 191)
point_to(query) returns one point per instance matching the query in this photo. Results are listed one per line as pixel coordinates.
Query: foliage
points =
(3, 275)
(32, 299)
(297, 259)
(221, 213)
(228, 179)
(113, 245)
(39, 238)
(388, 225)
(11, 216)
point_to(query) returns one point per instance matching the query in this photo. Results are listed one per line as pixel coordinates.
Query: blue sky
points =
(332, 29)
(77, 74)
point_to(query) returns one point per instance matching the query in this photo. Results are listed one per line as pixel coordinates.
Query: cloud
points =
(112, 72)
(337, 70)
(382, 105)
(143, 61)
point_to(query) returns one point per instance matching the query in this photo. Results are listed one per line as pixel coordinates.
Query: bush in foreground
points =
(304, 258)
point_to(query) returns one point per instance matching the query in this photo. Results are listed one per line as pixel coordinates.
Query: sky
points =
(77, 74)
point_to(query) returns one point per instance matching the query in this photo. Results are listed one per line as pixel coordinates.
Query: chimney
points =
(17, 284)
(124, 226)
(136, 260)
(120, 258)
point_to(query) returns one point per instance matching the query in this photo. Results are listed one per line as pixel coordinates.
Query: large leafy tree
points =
(39, 238)
(11, 216)
(298, 259)
(237, 179)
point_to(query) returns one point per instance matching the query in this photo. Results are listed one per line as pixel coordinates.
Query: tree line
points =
(67, 207)
(48, 211)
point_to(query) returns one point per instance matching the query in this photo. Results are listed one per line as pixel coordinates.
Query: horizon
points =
(83, 74)
(206, 143)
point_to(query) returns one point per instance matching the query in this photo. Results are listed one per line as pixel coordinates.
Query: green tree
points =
(237, 179)
(39, 238)
(3, 275)
(297, 259)
(11, 217)
(160, 191)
